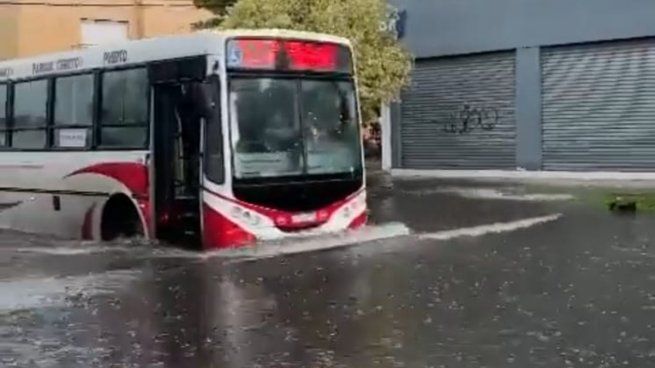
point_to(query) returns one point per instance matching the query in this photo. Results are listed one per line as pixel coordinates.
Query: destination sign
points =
(115, 57)
(56, 65)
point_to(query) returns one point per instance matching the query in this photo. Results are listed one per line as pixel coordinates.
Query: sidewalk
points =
(559, 178)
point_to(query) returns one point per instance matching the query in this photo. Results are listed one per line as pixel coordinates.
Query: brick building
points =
(29, 27)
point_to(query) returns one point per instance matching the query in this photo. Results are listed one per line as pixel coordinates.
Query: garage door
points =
(459, 114)
(599, 106)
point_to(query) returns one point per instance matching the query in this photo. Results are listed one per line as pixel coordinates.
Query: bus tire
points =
(120, 219)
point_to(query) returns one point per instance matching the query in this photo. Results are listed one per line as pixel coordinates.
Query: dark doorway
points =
(176, 155)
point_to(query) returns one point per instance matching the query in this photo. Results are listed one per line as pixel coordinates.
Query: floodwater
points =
(450, 274)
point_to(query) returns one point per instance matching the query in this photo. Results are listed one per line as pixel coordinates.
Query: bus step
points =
(189, 215)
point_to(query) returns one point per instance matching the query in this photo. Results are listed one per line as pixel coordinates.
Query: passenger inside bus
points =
(330, 120)
(266, 121)
(267, 132)
(281, 123)
(189, 140)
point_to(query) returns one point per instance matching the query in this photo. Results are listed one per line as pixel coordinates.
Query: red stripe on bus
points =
(133, 175)
(284, 220)
(265, 210)
(219, 232)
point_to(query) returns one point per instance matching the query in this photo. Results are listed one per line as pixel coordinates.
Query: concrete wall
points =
(8, 36)
(172, 19)
(447, 27)
(55, 26)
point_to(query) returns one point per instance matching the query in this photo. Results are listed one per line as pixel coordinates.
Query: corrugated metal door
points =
(459, 113)
(599, 106)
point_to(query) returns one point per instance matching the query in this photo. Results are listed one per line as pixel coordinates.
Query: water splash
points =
(490, 193)
(313, 244)
(265, 249)
(75, 248)
(496, 228)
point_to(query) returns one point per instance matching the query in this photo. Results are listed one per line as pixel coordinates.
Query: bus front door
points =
(176, 164)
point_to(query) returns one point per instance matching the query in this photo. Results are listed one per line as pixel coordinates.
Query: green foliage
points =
(383, 66)
(215, 6)
(636, 201)
(218, 7)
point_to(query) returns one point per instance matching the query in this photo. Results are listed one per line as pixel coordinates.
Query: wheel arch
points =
(121, 202)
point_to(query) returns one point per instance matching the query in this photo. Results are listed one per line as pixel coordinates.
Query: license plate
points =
(304, 217)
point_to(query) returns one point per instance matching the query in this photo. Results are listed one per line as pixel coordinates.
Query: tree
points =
(383, 65)
(218, 7)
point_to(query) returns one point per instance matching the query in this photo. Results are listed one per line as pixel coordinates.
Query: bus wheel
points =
(120, 219)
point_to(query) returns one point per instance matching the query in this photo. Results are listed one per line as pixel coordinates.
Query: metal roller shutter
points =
(599, 106)
(459, 113)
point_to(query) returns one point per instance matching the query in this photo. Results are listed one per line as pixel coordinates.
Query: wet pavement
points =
(490, 275)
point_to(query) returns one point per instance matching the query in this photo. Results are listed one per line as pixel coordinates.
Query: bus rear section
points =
(290, 134)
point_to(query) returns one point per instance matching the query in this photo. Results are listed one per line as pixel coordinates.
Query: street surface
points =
(450, 274)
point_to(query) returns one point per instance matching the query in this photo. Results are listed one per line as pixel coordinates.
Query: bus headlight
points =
(249, 217)
(236, 211)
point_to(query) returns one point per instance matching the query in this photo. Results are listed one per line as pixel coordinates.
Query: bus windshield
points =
(293, 127)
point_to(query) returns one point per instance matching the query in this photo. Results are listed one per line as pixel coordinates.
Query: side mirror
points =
(206, 96)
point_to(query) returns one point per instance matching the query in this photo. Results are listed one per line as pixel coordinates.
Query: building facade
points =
(30, 28)
(528, 84)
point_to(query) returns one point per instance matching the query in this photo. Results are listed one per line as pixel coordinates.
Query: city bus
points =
(214, 139)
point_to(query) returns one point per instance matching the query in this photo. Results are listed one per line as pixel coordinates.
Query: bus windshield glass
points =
(293, 127)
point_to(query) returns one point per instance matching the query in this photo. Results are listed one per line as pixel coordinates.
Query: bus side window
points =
(30, 115)
(3, 115)
(73, 111)
(211, 112)
(124, 109)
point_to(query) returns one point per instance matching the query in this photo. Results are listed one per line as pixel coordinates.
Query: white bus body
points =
(99, 172)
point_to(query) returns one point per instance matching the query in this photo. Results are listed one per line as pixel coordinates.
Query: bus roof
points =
(140, 52)
(282, 33)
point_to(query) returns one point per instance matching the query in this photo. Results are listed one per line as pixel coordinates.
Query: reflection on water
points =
(26, 293)
(170, 306)
(266, 249)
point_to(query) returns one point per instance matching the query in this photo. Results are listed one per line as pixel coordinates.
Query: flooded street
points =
(449, 274)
